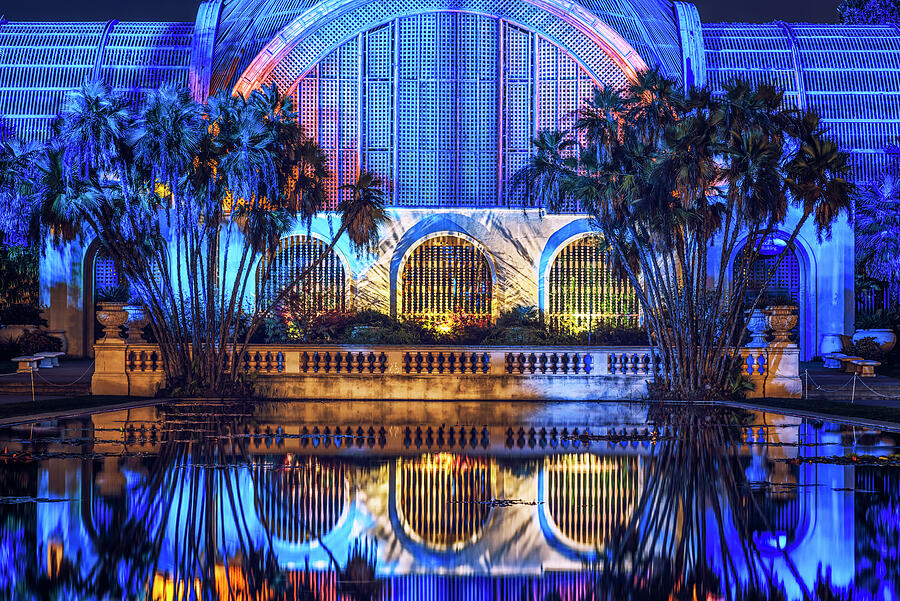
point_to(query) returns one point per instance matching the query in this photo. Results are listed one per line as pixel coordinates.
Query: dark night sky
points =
(185, 10)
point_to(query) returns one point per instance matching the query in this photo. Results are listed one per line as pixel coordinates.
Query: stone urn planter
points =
(112, 316)
(781, 319)
(885, 337)
(138, 318)
(756, 324)
(831, 343)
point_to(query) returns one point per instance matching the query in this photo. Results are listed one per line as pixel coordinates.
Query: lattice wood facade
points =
(589, 497)
(443, 499)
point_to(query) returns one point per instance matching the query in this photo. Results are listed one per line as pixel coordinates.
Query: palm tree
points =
(187, 198)
(878, 231)
(666, 174)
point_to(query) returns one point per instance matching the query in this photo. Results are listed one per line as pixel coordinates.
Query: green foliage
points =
(856, 12)
(28, 315)
(878, 320)
(878, 232)
(867, 348)
(113, 294)
(678, 181)
(18, 275)
(186, 198)
(38, 341)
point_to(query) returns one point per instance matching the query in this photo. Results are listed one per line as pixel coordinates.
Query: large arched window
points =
(324, 288)
(584, 291)
(443, 499)
(587, 497)
(445, 275)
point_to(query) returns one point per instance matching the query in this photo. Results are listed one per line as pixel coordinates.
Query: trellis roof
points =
(41, 62)
(849, 74)
(246, 26)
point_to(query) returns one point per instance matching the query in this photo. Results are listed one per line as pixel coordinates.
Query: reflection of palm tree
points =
(358, 580)
(689, 534)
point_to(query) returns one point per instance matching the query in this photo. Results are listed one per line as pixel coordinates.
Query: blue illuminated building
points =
(442, 99)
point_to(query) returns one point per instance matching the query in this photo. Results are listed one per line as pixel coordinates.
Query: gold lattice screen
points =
(589, 497)
(445, 275)
(443, 499)
(300, 499)
(324, 288)
(584, 291)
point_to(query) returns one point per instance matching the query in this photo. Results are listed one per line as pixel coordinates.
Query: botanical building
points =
(441, 98)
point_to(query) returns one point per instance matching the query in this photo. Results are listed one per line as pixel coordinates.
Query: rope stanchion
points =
(852, 381)
(79, 379)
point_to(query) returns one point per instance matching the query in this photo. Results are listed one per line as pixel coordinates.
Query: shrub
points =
(867, 348)
(28, 315)
(36, 341)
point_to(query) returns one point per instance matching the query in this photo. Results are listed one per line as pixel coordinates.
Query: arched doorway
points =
(443, 276)
(325, 288)
(785, 286)
(100, 274)
(583, 291)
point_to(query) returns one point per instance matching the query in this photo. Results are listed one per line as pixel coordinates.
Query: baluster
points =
(761, 361)
(429, 360)
(304, 362)
(532, 362)
(440, 362)
(749, 364)
(130, 362)
(407, 362)
(588, 363)
(576, 363)
(371, 361)
(279, 361)
(510, 361)
(327, 362)
(565, 363)
(543, 361)
(485, 362)
(382, 362)
(154, 361)
(554, 363)
(419, 360)
(316, 360)
(360, 362)
(338, 359)
(451, 362)
(520, 363)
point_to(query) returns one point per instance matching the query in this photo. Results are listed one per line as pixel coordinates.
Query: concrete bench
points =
(27, 364)
(832, 360)
(49, 359)
(848, 363)
(866, 367)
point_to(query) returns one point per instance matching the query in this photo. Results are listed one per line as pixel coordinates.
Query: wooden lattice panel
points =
(445, 275)
(324, 288)
(443, 499)
(442, 105)
(589, 497)
(583, 291)
(105, 273)
(302, 498)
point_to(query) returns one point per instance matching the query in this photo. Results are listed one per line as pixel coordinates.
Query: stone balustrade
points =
(344, 372)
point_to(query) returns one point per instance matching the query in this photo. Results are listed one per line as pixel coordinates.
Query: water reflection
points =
(284, 501)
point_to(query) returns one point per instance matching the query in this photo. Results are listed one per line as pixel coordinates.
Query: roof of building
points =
(848, 74)
(40, 62)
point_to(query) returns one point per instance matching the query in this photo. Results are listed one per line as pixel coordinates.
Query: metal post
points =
(853, 393)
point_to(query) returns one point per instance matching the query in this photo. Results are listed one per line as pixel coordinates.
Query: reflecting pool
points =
(434, 501)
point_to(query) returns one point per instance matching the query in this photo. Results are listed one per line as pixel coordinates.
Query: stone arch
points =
(806, 289)
(595, 295)
(90, 287)
(294, 50)
(331, 281)
(603, 491)
(453, 518)
(447, 271)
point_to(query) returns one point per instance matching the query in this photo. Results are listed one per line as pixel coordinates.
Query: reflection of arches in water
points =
(775, 511)
(301, 499)
(443, 499)
(587, 497)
